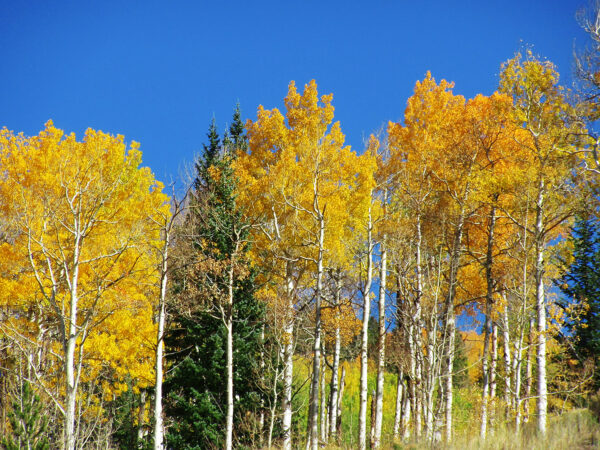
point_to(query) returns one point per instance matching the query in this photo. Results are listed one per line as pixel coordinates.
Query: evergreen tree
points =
(28, 422)
(125, 410)
(580, 283)
(196, 388)
(460, 377)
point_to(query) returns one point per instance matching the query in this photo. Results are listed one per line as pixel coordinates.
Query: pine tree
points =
(580, 284)
(196, 389)
(28, 422)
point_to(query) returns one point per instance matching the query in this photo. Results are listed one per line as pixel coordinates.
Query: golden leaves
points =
(81, 218)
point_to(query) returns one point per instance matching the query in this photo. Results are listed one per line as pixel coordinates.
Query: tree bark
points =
(159, 351)
(488, 313)
(381, 348)
(398, 413)
(339, 403)
(529, 371)
(71, 342)
(451, 324)
(486, 372)
(540, 304)
(507, 360)
(517, 373)
(313, 419)
(288, 361)
(229, 327)
(494, 365)
(336, 364)
(323, 425)
(141, 415)
(366, 293)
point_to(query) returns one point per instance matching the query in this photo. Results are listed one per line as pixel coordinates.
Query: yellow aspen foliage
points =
(76, 264)
(344, 318)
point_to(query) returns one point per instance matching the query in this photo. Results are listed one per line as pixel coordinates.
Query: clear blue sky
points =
(158, 72)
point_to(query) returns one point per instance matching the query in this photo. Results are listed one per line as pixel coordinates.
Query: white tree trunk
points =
(362, 414)
(381, 352)
(229, 429)
(542, 392)
(486, 371)
(507, 360)
(339, 403)
(336, 364)
(288, 361)
(141, 432)
(517, 373)
(406, 410)
(324, 413)
(228, 319)
(488, 312)
(449, 366)
(494, 365)
(398, 413)
(72, 378)
(159, 351)
(529, 371)
(158, 379)
(261, 417)
(313, 416)
(451, 326)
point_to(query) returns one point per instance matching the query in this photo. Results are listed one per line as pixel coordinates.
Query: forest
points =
(438, 288)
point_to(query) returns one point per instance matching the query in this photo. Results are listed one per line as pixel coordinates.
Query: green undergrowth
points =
(572, 430)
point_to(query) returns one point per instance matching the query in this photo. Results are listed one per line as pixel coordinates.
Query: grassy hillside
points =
(576, 429)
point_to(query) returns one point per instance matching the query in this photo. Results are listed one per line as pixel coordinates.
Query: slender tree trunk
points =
(324, 413)
(372, 427)
(432, 371)
(486, 372)
(339, 403)
(412, 375)
(159, 351)
(417, 330)
(336, 364)
(313, 419)
(381, 352)
(229, 352)
(451, 324)
(507, 360)
(488, 313)
(362, 414)
(418, 386)
(540, 304)
(517, 373)
(158, 380)
(71, 342)
(406, 410)
(494, 365)
(229, 326)
(261, 417)
(288, 361)
(529, 371)
(273, 409)
(141, 417)
(398, 413)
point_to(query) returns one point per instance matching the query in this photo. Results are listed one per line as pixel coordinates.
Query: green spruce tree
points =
(580, 284)
(196, 388)
(27, 421)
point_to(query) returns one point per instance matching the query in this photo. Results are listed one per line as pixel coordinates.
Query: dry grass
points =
(574, 430)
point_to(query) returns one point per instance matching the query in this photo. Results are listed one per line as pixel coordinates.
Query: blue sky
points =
(158, 72)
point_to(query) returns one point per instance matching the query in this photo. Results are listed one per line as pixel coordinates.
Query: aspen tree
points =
(81, 212)
(542, 111)
(316, 187)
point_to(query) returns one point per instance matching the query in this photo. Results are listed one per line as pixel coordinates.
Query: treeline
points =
(133, 319)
